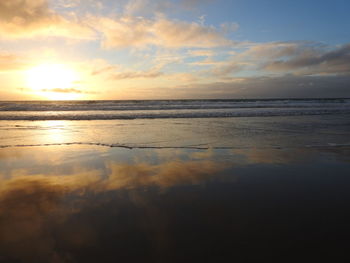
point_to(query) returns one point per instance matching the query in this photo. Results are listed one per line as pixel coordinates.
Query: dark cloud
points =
(314, 61)
(288, 86)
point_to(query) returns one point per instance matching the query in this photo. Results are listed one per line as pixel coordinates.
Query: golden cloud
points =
(129, 31)
(28, 18)
(10, 62)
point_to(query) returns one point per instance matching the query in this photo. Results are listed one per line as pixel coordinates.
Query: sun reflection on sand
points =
(57, 131)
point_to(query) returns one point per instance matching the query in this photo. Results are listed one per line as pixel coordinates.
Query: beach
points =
(175, 189)
(174, 131)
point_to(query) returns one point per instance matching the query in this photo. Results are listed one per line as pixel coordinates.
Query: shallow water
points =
(223, 190)
(252, 132)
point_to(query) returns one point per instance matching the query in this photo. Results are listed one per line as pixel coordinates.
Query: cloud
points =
(136, 75)
(28, 18)
(154, 7)
(288, 86)
(103, 70)
(250, 56)
(223, 69)
(117, 72)
(272, 50)
(11, 62)
(147, 7)
(315, 61)
(68, 3)
(70, 90)
(201, 53)
(129, 31)
(229, 27)
(301, 58)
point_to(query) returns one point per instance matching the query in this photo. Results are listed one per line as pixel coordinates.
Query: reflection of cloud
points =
(163, 175)
(274, 156)
(25, 207)
(38, 212)
(203, 154)
(291, 156)
(129, 176)
(32, 209)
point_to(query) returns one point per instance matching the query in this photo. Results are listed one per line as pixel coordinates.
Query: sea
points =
(156, 109)
(200, 124)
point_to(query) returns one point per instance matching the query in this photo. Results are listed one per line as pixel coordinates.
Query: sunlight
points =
(57, 131)
(53, 81)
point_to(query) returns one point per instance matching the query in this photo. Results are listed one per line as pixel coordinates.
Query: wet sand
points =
(92, 203)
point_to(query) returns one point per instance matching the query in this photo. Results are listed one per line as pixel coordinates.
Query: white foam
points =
(104, 110)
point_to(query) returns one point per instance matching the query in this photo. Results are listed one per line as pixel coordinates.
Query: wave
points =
(194, 147)
(151, 114)
(156, 109)
(169, 104)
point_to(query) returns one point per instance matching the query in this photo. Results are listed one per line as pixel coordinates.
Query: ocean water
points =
(156, 109)
(199, 124)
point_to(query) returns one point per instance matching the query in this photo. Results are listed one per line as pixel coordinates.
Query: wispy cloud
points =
(136, 75)
(11, 62)
(129, 31)
(68, 90)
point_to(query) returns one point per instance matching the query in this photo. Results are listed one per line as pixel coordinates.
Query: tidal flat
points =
(230, 189)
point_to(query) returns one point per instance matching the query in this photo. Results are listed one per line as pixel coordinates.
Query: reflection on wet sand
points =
(290, 156)
(28, 208)
(157, 206)
(45, 218)
(164, 175)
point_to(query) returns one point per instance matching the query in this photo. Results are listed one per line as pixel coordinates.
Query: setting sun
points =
(52, 81)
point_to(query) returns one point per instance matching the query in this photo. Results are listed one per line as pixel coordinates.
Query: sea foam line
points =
(169, 115)
(194, 147)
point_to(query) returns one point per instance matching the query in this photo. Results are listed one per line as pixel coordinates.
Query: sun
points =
(53, 81)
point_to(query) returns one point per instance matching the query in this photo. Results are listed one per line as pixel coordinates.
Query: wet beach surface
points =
(282, 202)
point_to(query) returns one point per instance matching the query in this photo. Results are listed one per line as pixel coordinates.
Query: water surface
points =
(175, 190)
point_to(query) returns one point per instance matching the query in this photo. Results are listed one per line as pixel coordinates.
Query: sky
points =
(173, 49)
